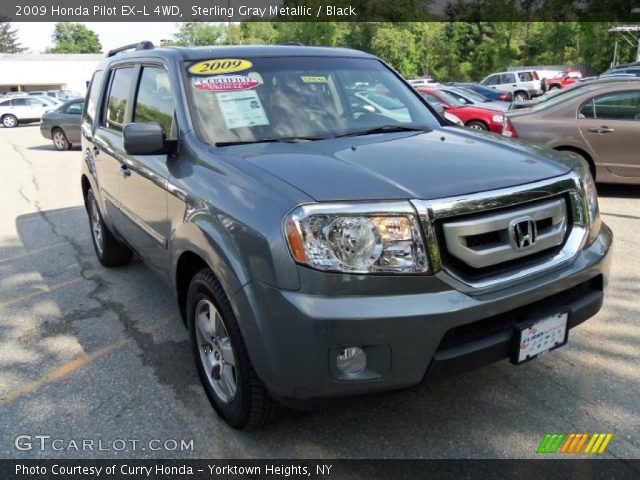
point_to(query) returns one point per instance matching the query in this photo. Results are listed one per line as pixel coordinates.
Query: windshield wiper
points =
(270, 140)
(385, 129)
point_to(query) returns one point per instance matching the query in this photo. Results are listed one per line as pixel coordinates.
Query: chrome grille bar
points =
(431, 211)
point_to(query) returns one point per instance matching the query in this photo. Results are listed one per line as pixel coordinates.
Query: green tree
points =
(397, 46)
(258, 33)
(194, 34)
(9, 39)
(74, 38)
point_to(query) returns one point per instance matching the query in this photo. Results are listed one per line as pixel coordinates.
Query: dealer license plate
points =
(540, 337)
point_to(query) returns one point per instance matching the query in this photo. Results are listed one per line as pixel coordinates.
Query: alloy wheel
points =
(96, 226)
(216, 352)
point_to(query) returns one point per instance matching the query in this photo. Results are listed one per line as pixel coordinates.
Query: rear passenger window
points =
(119, 88)
(587, 110)
(507, 78)
(94, 93)
(154, 101)
(492, 80)
(75, 108)
(618, 106)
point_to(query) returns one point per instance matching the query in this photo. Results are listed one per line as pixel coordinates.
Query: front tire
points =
(60, 141)
(109, 250)
(10, 121)
(226, 373)
(520, 96)
(477, 125)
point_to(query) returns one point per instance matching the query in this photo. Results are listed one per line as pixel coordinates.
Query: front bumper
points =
(292, 337)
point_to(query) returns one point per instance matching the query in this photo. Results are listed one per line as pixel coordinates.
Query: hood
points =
(445, 162)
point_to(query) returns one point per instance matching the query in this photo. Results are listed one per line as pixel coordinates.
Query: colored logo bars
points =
(574, 443)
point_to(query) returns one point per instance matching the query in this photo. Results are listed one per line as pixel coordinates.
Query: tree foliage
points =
(9, 39)
(445, 50)
(74, 38)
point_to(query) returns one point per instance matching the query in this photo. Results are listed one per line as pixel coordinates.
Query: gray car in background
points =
(62, 125)
(598, 122)
(321, 249)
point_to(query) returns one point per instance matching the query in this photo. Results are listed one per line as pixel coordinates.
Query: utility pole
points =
(631, 35)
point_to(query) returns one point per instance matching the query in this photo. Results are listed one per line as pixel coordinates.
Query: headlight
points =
(498, 118)
(590, 192)
(357, 238)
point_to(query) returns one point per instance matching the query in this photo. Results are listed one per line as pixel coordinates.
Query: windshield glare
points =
(450, 99)
(300, 97)
(471, 94)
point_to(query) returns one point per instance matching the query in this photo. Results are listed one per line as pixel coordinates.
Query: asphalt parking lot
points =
(91, 353)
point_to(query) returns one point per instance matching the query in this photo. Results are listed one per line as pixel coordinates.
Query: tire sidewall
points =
(66, 145)
(15, 121)
(477, 126)
(91, 198)
(236, 412)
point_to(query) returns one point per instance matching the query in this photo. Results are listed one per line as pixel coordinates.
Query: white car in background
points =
(523, 84)
(422, 82)
(17, 110)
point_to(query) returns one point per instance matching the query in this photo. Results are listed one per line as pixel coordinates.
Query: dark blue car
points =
(490, 93)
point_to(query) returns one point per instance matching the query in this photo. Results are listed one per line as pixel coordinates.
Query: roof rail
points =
(144, 45)
(294, 43)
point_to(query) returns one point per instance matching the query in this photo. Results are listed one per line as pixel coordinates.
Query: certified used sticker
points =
(226, 83)
(220, 65)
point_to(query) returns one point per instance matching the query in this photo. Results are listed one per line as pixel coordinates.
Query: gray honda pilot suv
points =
(327, 233)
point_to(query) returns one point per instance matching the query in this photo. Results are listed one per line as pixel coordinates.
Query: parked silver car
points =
(63, 124)
(17, 110)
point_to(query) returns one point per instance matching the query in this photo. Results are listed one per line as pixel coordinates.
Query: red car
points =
(563, 79)
(472, 116)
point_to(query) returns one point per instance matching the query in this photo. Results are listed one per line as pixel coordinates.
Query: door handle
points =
(125, 170)
(603, 129)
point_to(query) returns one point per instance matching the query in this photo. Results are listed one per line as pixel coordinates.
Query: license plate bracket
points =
(540, 335)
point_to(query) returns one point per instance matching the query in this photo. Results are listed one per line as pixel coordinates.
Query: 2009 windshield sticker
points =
(226, 83)
(221, 65)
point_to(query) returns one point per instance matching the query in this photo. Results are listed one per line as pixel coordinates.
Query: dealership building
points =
(22, 72)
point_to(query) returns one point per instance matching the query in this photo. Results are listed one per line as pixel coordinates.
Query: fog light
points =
(351, 360)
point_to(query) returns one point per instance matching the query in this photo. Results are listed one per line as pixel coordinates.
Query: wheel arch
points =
(581, 152)
(478, 120)
(195, 247)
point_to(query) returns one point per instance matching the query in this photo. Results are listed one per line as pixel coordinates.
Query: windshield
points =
(448, 98)
(471, 94)
(264, 99)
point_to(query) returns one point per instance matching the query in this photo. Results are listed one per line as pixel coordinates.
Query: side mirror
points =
(369, 108)
(143, 138)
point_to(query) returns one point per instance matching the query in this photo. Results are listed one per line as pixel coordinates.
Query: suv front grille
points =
(478, 245)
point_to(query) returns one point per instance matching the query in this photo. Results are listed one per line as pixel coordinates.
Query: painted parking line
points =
(43, 291)
(63, 371)
(67, 368)
(43, 249)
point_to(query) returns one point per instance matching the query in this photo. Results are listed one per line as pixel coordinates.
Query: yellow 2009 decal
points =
(220, 65)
